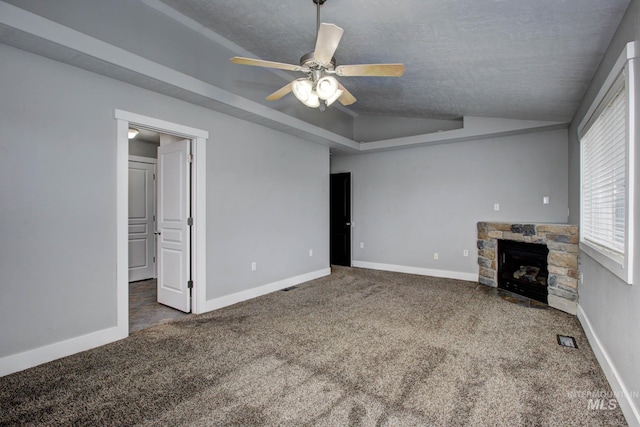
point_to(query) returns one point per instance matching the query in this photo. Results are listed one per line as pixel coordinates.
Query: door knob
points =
(157, 233)
(348, 223)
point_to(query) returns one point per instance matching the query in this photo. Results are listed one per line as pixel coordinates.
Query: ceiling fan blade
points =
(346, 98)
(329, 36)
(267, 64)
(280, 93)
(379, 70)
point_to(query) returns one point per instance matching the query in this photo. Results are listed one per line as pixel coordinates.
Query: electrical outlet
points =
(361, 245)
(254, 267)
(435, 256)
(545, 200)
(465, 253)
(310, 252)
(496, 206)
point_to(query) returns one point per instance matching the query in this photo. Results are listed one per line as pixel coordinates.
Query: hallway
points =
(144, 310)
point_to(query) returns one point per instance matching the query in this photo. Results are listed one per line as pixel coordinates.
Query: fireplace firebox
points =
(522, 269)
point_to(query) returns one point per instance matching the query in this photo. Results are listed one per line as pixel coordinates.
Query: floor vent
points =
(290, 288)
(566, 341)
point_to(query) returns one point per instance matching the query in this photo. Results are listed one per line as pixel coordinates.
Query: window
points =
(604, 171)
(607, 137)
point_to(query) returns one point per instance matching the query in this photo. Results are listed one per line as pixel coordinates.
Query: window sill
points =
(619, 266)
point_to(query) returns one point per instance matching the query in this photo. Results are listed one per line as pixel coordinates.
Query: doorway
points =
(340, 215)
(195, 207)
(154, 295)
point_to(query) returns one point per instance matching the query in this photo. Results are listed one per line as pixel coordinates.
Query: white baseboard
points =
(630, 411)
(227, 300)
(35, 357)
(471, 277)
(31, 358)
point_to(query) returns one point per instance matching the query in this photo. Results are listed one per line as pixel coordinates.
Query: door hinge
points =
(190, 284)
(189, 222)
(190, 158)
(154, 176)
(154, 259)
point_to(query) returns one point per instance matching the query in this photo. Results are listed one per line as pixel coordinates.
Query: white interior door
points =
(174, 239)
(142, 252)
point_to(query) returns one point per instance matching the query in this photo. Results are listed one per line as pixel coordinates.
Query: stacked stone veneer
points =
(562, 241)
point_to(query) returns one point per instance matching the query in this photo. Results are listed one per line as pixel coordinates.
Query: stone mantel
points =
(562, 241)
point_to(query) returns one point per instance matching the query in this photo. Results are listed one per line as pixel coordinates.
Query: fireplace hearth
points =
(522, 269)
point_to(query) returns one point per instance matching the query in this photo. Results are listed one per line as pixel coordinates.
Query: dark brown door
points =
(340, 241)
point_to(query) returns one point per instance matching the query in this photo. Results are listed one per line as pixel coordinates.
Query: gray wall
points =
(269, 203)
(612, 307)
(144, 31)
(143, 149)
(368, 128)
(267, 199)
(408, 204)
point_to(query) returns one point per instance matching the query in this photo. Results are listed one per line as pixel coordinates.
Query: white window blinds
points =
(604, 174)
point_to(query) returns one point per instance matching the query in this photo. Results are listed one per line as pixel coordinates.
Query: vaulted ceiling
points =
(504, 66)
(520, 59)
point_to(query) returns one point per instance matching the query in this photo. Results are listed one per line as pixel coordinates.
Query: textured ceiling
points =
(523, 59)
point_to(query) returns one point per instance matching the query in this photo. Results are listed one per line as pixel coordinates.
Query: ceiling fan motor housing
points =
(321, 2)
(308, 60)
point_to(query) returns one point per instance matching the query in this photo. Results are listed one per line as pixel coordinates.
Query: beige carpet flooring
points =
(357, 348)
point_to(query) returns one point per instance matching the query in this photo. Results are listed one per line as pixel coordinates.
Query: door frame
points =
(199, 138)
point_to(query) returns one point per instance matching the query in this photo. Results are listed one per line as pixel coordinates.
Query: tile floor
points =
(144, 310)
(513, 298)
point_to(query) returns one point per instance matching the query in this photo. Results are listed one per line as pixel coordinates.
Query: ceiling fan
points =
(320, 88)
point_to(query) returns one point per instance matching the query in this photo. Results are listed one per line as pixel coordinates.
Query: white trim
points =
(627, 54)
(632, 164)
(37, 356)
(622, 267)
(630, 411)
(471, 277)
(122, 229)
(227, 300)
(199, 138)
(141, 159)
(199, 233)
(161, 126)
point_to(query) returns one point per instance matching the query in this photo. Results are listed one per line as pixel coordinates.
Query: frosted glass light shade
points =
(303, 90)
(335, 96)
(132, 133)
(327, 87)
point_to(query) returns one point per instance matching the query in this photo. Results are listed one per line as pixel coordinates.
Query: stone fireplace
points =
(561, 241)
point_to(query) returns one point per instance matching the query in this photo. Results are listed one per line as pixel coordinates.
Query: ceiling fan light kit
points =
(327, 87)
(303, 90)
(320, 88)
